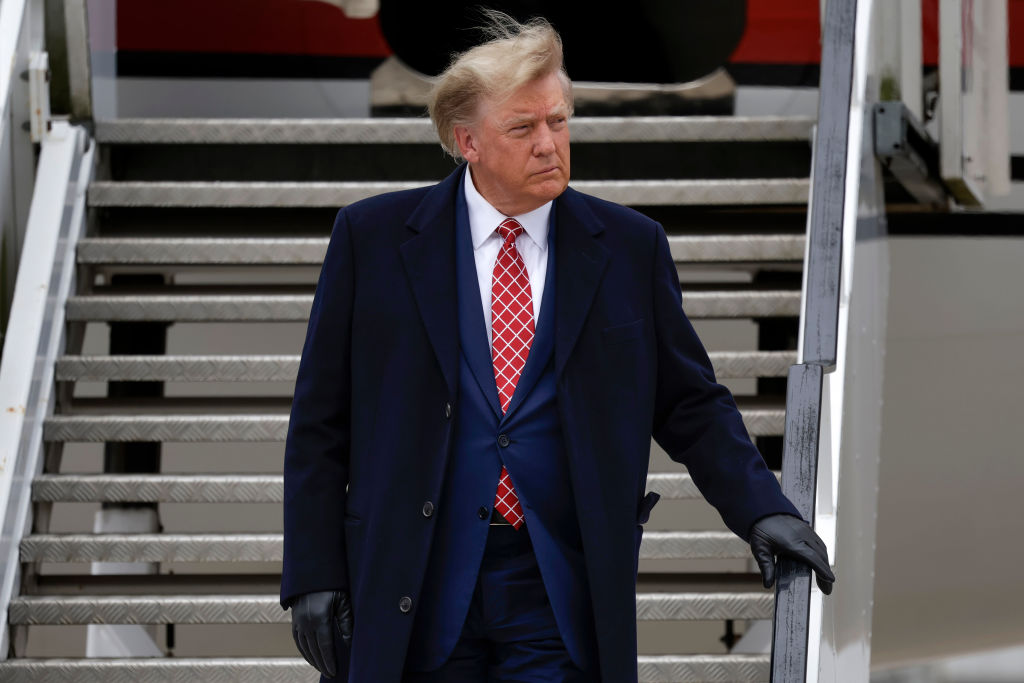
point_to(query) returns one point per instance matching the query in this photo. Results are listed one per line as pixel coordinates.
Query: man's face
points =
(518, 150)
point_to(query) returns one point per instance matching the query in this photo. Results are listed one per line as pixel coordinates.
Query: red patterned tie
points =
(512, 334)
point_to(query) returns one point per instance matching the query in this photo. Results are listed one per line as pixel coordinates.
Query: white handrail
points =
(45, 278)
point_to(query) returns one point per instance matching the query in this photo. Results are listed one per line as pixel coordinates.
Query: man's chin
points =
(551, 187)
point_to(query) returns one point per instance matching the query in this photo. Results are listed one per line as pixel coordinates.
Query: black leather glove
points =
(788, 536)
(317, 619)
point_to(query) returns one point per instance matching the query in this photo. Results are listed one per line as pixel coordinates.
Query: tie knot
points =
(510, 229)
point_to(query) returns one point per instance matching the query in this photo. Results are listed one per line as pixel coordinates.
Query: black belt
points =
(498, 519)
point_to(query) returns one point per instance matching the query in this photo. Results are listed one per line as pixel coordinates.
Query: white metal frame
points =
(45, 278)
(974, 134)
(21, 33)
(12, 14)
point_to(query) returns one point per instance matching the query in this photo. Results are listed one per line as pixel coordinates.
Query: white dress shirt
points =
(532, 244)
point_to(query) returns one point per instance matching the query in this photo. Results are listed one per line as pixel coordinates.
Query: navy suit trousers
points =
(510, 634)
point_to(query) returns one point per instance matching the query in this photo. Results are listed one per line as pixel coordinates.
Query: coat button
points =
(503, 440)
(428, 509)
(405, 604)
(447, 411)
(483, 512)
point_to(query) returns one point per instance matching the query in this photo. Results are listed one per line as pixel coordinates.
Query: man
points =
(486, 362)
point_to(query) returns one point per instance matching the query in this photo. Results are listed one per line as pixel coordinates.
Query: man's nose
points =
(544, 143)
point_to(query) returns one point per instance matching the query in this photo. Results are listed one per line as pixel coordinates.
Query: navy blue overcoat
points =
(370, 431)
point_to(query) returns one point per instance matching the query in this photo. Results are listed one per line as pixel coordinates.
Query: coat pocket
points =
(648, 502)
(620, 333)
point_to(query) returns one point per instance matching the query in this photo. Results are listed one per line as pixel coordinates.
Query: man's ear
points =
(466, 141)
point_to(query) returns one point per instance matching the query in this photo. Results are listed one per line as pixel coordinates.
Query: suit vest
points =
(535, 457)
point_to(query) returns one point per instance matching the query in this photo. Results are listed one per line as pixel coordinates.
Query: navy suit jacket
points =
(371, 432)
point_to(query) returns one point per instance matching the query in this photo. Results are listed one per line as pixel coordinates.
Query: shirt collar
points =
(484, 219)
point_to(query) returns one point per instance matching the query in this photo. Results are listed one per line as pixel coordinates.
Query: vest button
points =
(405, 604)
(503, 440)
(447, 411)
(428, 509)
(483, 512)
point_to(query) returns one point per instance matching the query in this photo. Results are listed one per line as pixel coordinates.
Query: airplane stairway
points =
(195, 281)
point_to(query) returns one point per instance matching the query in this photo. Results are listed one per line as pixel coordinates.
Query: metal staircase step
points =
(739, 364)
(651, 669)
(421, 131)
(265, 609)
(685, 545)
(676, 485)
(260, 428)
(701, 668)
(296, 307)
(704, 606)
(693, 545)
(202, 250)
(231, 488)
(177, 428)
(283, 368)
(277, 368)
(311, 250)
(757, 191)
(159, 488)
(736, 248)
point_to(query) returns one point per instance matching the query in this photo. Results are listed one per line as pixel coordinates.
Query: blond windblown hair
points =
(514, 55)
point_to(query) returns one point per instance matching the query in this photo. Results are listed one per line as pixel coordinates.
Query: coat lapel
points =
(580, 262)
(429, 260)
(472, 328)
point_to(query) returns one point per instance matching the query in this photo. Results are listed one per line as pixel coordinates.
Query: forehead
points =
(539, 97)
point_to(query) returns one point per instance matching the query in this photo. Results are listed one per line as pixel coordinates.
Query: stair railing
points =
(811, 421)
(46, 275)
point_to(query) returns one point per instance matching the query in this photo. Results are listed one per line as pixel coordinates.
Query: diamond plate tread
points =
(673, 485)
(140, 609)
(283, 368)
(651, 669)
(202, 251)
(265, 609)
(176, 428)
(757, 191)
(231, 488)
(254, 428)
(738, 364)
(704, 668)
(681, 545)
(693, 545)
(736, 248)
(760, 304)
(159, 670)
(296, 307)
(421, 131)
(279, 368)
(703, 606)
(159, 488)
(194, 308)
(311, 250)
(151, 548)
